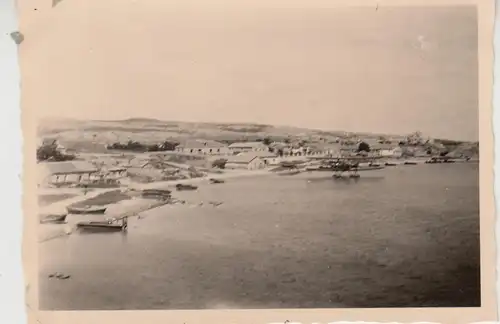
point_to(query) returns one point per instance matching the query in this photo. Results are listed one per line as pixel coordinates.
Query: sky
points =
(392, 70)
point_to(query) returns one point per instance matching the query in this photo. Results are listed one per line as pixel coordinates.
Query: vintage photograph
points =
(196, 157)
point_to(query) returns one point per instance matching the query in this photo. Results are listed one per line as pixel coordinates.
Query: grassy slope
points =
(92, 136)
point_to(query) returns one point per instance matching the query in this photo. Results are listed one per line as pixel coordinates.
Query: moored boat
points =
(156, 194)
(86, 209)
(215, 181)
(110, 225)
(181, 187)
(53, 218)
(369, 168)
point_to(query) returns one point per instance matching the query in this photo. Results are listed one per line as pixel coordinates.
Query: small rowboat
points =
(53, 218)
(156, 194)
(390, 164)
(410, 163)
(214, 181)
(111, 225)
(369, 168)
(86, 209)
(181, 187)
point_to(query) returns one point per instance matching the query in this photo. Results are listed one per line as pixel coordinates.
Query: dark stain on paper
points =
(18, 37)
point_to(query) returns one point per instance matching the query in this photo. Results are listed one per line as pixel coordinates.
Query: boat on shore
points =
(358, 168)
(390, 164)
(112, 225)
(410, 163)
(86, 209)
(215, 181)
(181, 187)
(369, 168)
(53, 218)
(437, 160)
(156, 194)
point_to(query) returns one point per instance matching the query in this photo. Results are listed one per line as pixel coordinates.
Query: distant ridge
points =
(142, 120)
(53, 125)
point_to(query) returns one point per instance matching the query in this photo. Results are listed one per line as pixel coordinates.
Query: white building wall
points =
(236, 166)
(256, 164)
(205, 150)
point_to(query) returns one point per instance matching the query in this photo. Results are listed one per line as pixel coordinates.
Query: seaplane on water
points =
(347, 164)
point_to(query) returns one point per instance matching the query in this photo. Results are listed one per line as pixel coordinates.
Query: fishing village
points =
(100, 185)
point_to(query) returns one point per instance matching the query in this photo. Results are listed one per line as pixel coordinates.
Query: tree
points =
(363, 147)
(169, 146)
(50, 152)
(219, 163)
(414, 138)
(266, 141)
(286, 140)
(45, 152)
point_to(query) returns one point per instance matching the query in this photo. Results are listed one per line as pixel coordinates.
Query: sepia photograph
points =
(256, 156)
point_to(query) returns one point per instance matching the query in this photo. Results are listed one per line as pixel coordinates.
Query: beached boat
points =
(346, 177)
(181, 187)
(86, 209)
(110, 225)
(389, 164)
(358, 168)
(214, 181)
(156, 194)
(410, 163)
(369, 168)
(53, 218)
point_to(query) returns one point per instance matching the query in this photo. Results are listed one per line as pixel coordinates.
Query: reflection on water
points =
(403, 236)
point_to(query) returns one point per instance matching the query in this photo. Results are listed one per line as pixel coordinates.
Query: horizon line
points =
(375, 133)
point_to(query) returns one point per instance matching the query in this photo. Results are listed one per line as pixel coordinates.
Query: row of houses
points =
(76, 172)
(217, 148)
(200, 147)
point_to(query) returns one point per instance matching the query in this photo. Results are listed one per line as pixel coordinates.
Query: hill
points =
(94, 135)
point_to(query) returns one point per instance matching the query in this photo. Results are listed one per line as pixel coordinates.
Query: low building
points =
(269, 158)
(248, 147)
(347, 150)
(115, 173)
(68, 172)
(397, 152)
(203, 147)
(383, 150)
(248, 161)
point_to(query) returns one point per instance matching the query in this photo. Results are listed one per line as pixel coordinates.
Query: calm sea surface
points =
(403, 236)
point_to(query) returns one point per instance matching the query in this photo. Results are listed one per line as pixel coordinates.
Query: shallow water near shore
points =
(405, 236)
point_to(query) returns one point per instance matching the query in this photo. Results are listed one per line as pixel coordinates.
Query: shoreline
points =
(127, 208)
(136, 206)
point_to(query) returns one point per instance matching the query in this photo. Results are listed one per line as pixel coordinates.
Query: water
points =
(406, 236)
